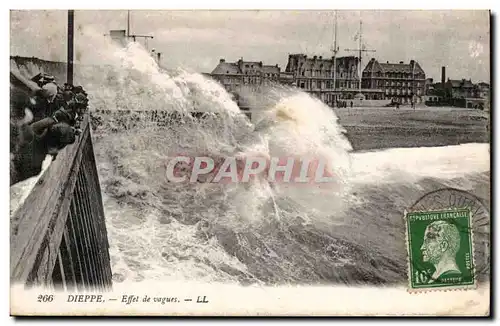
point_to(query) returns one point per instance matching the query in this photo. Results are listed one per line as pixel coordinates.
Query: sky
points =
(196, 40)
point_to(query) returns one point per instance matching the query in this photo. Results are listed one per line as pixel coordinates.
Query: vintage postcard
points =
(250, 162)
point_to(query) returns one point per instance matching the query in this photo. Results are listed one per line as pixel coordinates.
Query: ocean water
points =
(350, 232)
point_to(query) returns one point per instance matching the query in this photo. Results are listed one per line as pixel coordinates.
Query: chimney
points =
(412, 62)
(222, 61)
(159, 56)
(260, 63)
(443, 75)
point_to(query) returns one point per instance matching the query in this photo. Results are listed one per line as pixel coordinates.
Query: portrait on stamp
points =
(441, 245)
(440, 248)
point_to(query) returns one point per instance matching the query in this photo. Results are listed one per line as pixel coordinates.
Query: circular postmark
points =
(448, 240)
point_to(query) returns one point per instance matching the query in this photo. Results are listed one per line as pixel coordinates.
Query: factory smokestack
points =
(443, 76)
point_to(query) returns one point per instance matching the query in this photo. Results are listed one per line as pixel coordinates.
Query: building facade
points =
(483, 90)
(457, 92)
(460, 89)
(401, 82)
(464, 93)
(315, 75)
(233, 75)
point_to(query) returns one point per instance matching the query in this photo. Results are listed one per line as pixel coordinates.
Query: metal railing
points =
(58, 234)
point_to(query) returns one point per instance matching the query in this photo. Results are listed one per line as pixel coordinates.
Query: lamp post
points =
(69, 72)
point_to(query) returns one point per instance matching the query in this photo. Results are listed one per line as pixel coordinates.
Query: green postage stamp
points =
(440, 250)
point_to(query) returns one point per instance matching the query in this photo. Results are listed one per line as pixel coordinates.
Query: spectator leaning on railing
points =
(44, 119)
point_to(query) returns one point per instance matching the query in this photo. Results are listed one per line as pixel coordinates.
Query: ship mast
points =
(361, 48)
(335, 49)
(134, 36)
(128, 23)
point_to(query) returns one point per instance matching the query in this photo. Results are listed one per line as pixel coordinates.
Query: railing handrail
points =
(37, 225)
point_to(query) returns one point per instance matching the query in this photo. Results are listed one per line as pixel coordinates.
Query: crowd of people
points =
(343, 104)
(45, 118)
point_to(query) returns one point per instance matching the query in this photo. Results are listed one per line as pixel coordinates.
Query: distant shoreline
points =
(374, 128)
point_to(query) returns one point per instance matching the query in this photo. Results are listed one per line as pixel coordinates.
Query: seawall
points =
(367, 128)
(29, 67)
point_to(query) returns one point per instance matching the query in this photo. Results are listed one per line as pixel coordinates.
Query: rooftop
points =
(226, 68)
(240, 67)
(457, 83)
(401, 67)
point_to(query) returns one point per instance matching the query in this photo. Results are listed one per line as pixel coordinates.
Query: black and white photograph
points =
(250, 162)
